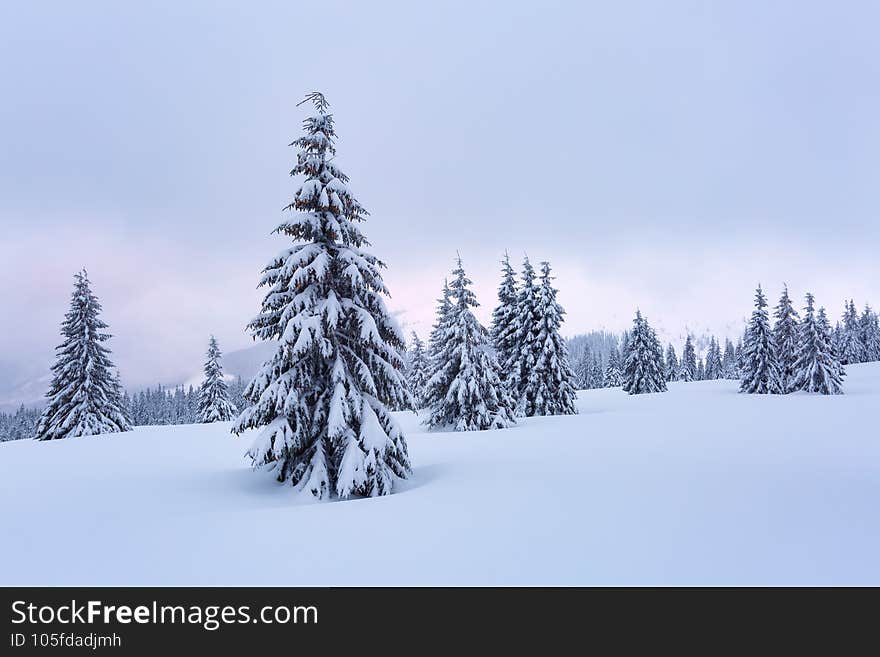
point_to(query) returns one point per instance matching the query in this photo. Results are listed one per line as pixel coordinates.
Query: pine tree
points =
(417, 371)
(437, 337)
(613, 374)
(688, 369)
(713, 361)
(643, 369)
(851, 347)
(672, 365)
(816, 368)
(738, 358)
(825, 328)
(322, 399)
(214, 404)
(85, 396)
(728, 361)
(785, 336)
(701, 370)
(524, 358)
(550, 388)
(504, 318)
(760, 373)
(465, 391)
(869, 327)
(583, 369)
(597, 373)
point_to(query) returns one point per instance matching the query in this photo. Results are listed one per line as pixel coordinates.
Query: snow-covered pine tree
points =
(701, 370)
(760, 373)
(869, 327)
(582, 367)
(851, 347)
(504, 319)
(728, 361)
(825, 328)
(688, 369)
(613, 374)
(643, 369)
(465, 391)
(322, 399)
(214, 404)
(672, 365)
(785, 336)
(417, 370)
(816, 368)
(521, 364)
(713, 361)
(597, 372)
(549, 388)
(738, 357)
(85, 397)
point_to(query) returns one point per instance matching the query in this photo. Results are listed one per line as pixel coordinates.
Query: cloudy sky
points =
(663, 155)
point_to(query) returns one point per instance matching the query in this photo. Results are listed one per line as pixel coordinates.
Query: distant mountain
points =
(27, 385)
(244, 363)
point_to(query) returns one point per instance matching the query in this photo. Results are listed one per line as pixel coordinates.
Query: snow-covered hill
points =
(699, 485)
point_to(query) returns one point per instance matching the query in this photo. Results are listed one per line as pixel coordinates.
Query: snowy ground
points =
(696, 486)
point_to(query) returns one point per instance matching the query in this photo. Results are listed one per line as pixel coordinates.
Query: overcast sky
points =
(667, 155)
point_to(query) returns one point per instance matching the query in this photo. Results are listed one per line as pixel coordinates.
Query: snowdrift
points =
(699, 485)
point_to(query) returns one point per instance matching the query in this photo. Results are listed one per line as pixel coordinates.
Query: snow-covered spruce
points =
(214, 404)
(850, 344)
(672, 365)
(643, 367)
(322, 400)
(688, 369)
(504, 316)
(728, 361)
(816, 368)
(465, 392)
(785, 337)
(550, 389)
(869, 326)
(613, 376)
(85, 396)
(417, 370)
(521, 361)
(713, 361)
(760, 374)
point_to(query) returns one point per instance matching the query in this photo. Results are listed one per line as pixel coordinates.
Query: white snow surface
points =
(696, 486)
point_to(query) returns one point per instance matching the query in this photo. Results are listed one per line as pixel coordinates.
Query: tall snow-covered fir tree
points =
(825, 328)
(701, 370)
(597, 372)
(465, 392)
(643, 368)
(738, 356)
(322, 400)
(550, 385)
(85, 396)
(785, 336)
(583, 369)
(520, 366)
(613, 375)
(760, 374)
(851, 348)
(713, 361)
(688, 369)
(417, 368)
(728, 361)
(437, 337)
(869, 326)
(817, 368)
(672, 366)
(504, 319)
(214, 404)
